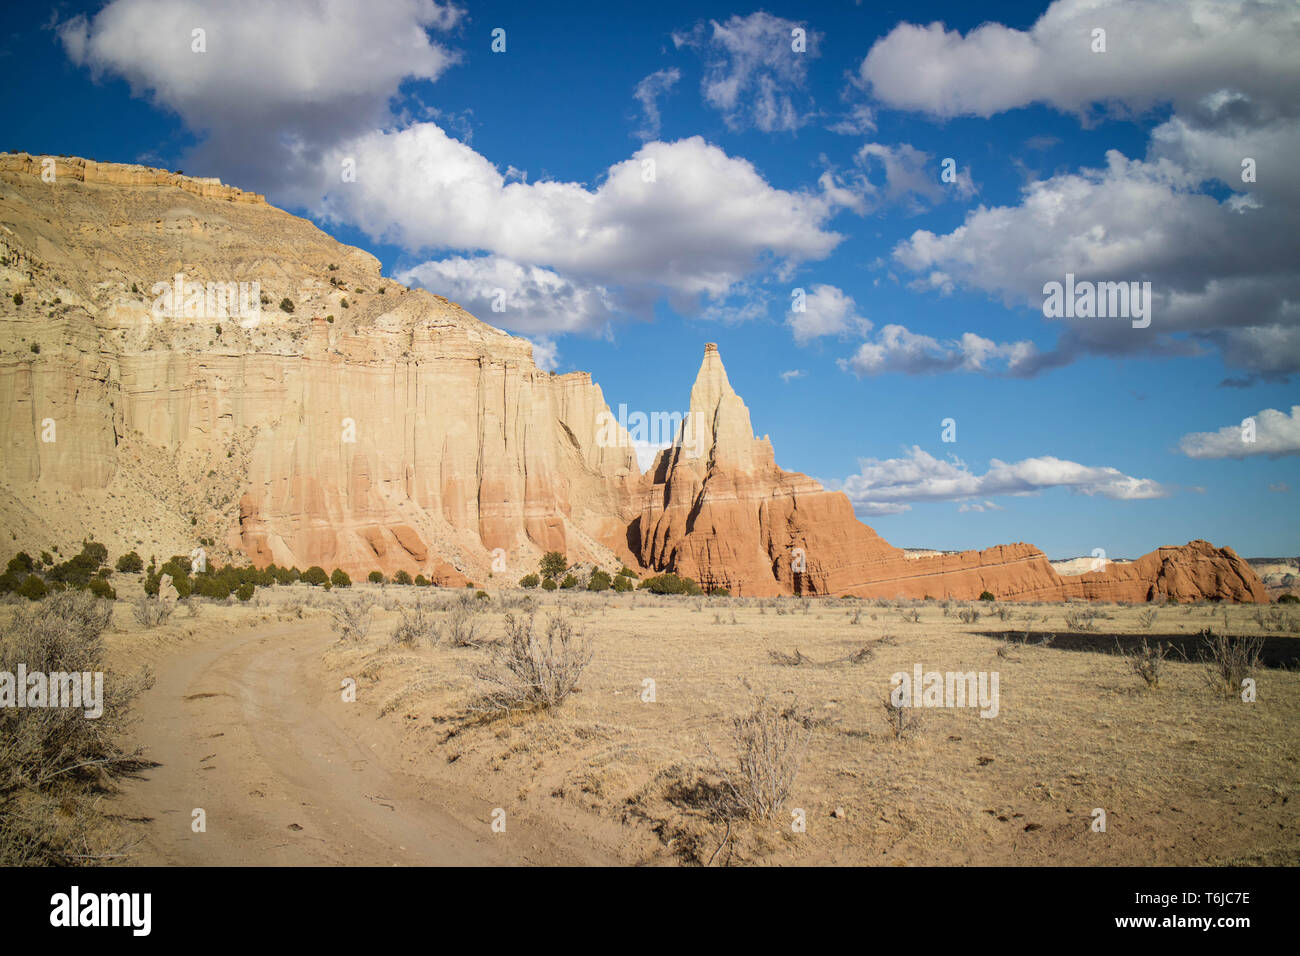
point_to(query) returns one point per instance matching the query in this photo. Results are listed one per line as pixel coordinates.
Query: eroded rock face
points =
(1193, 572)
(363, 426)
(719, 510)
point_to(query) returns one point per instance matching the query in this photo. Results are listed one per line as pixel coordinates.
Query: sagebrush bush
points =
(769, 744)
(463, 628)
(532, 669)
(150, 612)
(1229, 660)
(1149, 663)
(54, 760)
(1084, 619)
(351, 619)
(417, 625)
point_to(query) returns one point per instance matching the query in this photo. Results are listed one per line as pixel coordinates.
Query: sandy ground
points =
(247, 721)
(241, 726)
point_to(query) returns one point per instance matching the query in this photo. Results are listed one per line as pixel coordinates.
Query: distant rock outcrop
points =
(718, 509)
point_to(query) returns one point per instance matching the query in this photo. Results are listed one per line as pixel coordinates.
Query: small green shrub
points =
(130, 563)
(553, 564)
(102, 588)
(529, 581)
(340, 579)
(33, 588)
(987, 596)
(376, 577)
(670, 583)
(549, 584)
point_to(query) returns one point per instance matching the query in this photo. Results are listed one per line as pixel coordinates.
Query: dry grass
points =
(1074, 731)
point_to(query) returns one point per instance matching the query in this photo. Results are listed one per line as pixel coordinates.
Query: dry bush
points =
(1081, 619)
(464, 629)
(466, 601)
(1146, 619)
(54, 760)
(968, 615)
(1229, 660)
(770, 744)
(517, 602)
(1274, 619)
(904, 722)
(529, 669)
(1149, 663)
(1003, 612)
(788, 660)
(192, 605)
(417, 625)
(151, 612)
(798, 659)
(351, 619)
(860, 656)
(911, 614)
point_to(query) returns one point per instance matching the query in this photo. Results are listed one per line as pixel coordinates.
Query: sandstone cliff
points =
(371, 427)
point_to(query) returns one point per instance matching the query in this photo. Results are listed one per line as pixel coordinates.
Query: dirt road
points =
(248, 729)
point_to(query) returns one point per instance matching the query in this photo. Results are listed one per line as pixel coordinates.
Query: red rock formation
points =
(1193, 572)
(718, 509)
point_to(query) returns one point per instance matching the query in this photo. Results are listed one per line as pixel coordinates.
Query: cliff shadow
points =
(1278, 651)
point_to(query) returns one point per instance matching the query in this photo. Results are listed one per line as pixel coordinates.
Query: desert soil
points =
(247, 721)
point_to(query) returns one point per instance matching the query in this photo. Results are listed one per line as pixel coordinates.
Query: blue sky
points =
(776, 170)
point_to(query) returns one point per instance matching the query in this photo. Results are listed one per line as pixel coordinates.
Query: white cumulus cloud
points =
(889, 486)
(1274, 434)
(827, 310)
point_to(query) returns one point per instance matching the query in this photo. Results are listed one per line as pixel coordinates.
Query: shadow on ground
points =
(1278, 651)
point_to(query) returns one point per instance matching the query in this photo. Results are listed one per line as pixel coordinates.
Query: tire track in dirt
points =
(247, 729)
